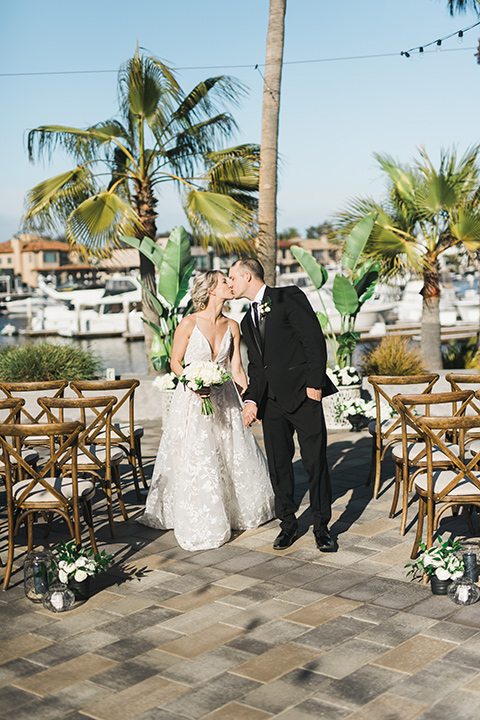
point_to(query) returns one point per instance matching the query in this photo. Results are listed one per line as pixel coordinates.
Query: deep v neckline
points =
(214, 359)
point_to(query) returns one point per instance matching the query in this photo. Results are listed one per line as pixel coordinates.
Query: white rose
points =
(442, 574)
(62, 576)
(62, 565)
(70, 568)
(80, 562)
(80, 575)
(457, 574)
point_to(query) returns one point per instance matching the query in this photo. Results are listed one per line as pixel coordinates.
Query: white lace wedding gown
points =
(210, 475)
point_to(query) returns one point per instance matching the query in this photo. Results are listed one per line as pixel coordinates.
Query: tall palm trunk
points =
(145, 203)
(267, 206)
(431, 332)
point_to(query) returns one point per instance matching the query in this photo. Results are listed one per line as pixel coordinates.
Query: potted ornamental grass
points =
(441, 563)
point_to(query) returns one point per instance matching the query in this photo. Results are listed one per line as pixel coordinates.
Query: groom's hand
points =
(314, 394)
(249, 413)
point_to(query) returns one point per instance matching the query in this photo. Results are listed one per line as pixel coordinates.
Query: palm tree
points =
(267, 207)
(463, 6)
(160, 135)
(426, 213)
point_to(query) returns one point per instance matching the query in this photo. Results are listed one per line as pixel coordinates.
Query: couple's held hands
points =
(249, 413)
(314, 394)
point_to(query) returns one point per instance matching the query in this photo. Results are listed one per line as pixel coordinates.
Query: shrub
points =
(393, 356)
(47, 361)
(462, 355)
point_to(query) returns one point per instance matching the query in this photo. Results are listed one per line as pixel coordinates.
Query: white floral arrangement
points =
(202, 376)
(441, 560)
(343, 376)
(166, 382)
(78, 564)
(355, 406)
(265, 307)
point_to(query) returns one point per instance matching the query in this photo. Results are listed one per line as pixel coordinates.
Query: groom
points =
(287, 381)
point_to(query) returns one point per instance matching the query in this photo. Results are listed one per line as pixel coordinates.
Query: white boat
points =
(410, 306)
(88, 314)
(469, 306)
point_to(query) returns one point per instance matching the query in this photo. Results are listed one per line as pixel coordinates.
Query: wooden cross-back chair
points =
(10, 409)
(30, 412)
(386, 433)
(466, 381)
(45, 490)
(450, 487)
(99, 461)
(127, 435)
(410, 455)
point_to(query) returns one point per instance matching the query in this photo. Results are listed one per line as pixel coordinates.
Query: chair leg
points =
(107, 488)
(88, 515)
(48, 526)
(138, 452)
(396, 491)
(405, 484)
(418, 536)
(378, 469)
(468, 511)
(118, 486)
(133, 465)
(30, 532)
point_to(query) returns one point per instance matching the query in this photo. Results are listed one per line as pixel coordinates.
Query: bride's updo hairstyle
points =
(205, 281)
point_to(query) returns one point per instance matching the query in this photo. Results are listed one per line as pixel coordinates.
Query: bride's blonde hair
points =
(202, 284)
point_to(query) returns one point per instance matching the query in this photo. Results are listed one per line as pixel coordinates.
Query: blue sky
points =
(334, 114)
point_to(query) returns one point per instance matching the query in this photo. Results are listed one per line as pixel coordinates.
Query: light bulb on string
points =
(421, 52)
(439, 45)
(460, 37)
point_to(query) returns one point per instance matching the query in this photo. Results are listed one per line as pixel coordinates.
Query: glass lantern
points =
(38, 573)
(463, 591)
(58, 598)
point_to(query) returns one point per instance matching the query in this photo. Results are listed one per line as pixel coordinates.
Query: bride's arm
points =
(238, 373)
(180, 342)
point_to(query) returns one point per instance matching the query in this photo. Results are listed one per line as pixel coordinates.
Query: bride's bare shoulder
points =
(234, 326)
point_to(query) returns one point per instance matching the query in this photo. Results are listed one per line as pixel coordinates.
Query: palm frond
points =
(96, 224)
(219, 220)
(49, 204)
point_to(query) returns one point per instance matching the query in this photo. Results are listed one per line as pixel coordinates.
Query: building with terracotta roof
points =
(27, 254)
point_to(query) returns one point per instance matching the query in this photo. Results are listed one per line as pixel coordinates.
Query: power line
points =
(253, 66)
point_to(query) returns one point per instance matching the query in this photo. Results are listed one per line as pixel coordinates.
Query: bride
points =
(210, 476)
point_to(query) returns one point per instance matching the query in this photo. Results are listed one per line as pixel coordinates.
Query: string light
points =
(421, 48)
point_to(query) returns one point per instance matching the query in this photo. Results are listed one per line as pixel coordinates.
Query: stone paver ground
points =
(244, 632)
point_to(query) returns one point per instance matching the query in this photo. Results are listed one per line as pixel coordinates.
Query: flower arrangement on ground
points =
(441, 560)
(79, 564)
(166, 382)
(201, 376)
(355, 406)
(343, 376)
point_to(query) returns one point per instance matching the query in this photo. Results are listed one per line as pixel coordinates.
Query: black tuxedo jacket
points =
(291, 353)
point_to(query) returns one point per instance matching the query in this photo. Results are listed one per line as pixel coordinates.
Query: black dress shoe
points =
(285, 539)
(324, 541)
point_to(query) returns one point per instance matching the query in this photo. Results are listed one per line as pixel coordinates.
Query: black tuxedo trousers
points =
(278, 430)
(286, 355)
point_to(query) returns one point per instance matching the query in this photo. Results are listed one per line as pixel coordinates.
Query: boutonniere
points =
(265, 307)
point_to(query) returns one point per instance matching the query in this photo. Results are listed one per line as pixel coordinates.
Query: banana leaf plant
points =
(175, 267)
(351, 288)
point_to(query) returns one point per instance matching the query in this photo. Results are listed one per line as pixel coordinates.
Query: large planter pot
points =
(439, 587)
(81, 589)
(345, 392)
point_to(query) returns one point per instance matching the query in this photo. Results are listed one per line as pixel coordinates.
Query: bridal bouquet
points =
(202, 376)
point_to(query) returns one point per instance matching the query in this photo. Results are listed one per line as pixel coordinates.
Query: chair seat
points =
(100, 452)
(474, 447)
(138, 430)
(30, 456)
(39, 494)
(414, 448)
(384, 426)
(441, 478)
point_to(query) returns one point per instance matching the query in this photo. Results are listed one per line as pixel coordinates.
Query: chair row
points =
(432, 434)
(80, 453)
